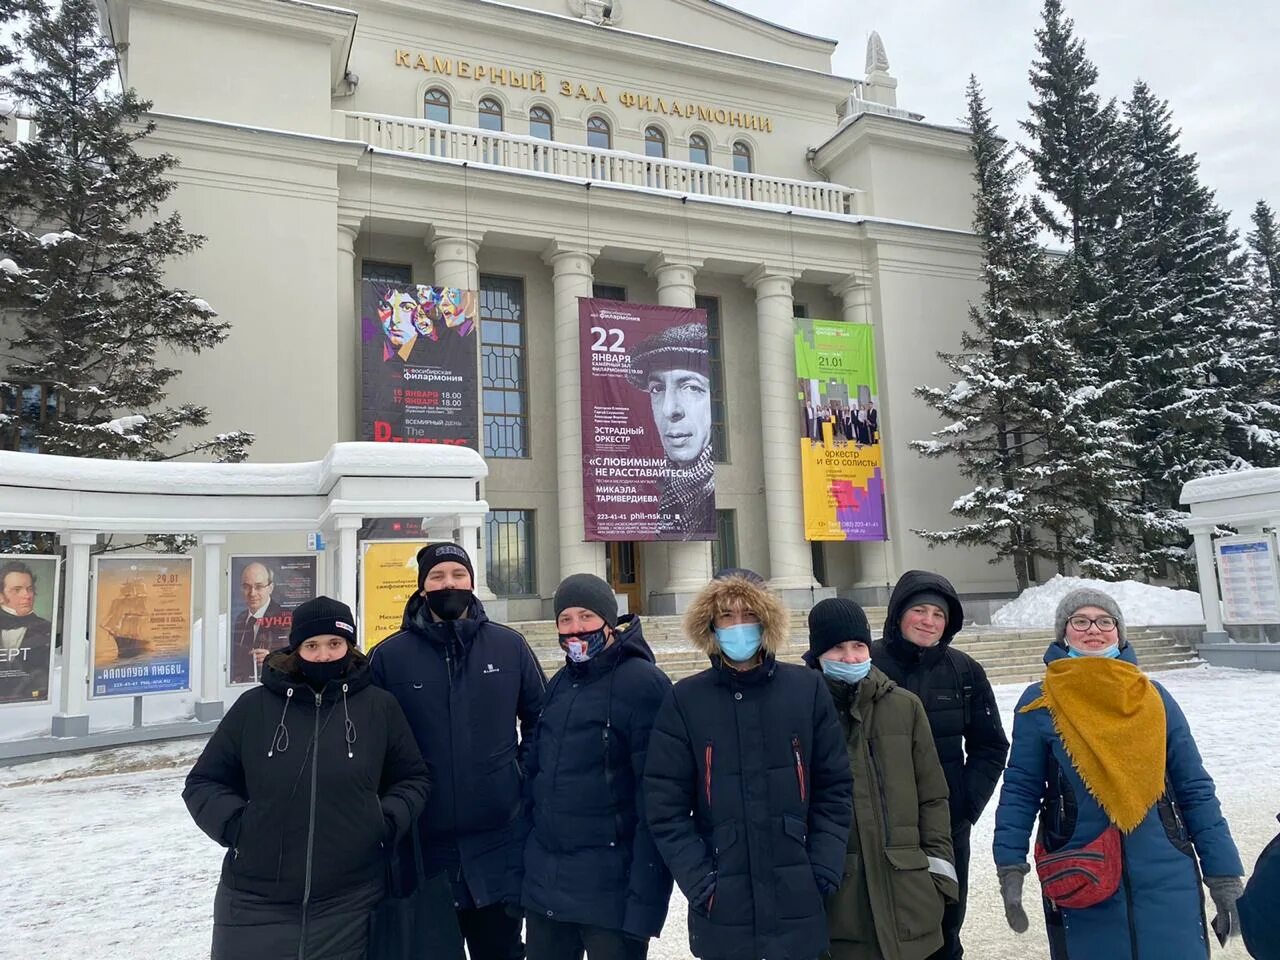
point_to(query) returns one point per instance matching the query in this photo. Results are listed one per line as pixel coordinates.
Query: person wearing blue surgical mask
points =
(747, 789)
(891, 900)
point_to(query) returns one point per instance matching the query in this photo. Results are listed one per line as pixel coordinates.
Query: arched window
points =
(540, 124)
(699, 151)
(741, 157)
(437, 107)
(655, 142)
(599, 135)
(490, 114)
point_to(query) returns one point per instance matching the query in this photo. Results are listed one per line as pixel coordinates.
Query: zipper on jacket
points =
(795, 752)
(311, 830)
(708, 754)
(1128, 899)
(884, 804)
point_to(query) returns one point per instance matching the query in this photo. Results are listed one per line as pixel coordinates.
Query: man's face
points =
(256, 585)
(19, 593)
(397, 321)
(681, 401)
(447, 575)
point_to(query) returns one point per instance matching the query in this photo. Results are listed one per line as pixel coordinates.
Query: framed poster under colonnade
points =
(140, 624)
(29, 591)
(264, 590)
(388, 578)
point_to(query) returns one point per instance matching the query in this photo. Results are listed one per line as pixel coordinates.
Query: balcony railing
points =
(515, 152)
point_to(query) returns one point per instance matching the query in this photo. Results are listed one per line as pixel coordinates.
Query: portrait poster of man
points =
(265, 590)
(388, 578)
(648, 467)
(841, 464)
(419, 369)
(28, 625)
(140, 623)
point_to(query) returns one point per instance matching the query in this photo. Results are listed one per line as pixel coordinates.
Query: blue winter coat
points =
(1260, 905)
(590, 858)
(463, 685)
(1158, 912)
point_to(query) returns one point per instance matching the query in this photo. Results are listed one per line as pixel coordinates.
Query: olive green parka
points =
(899, 866)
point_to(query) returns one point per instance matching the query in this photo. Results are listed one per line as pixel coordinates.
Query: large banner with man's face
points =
(841, 465)
(28, 624)
(647, 467)
(265, 590)
(419, 364)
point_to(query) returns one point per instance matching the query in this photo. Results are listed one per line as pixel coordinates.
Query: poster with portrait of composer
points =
(28, 625)
(648, 466)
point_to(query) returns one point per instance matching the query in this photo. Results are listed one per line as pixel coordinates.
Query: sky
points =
(1217, 65)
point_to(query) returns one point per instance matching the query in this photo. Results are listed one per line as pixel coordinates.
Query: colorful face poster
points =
(141, 625)
(28, 624)
(840, 451)
(419, 365)
(648, 472)
(388, 578)
(264, 592)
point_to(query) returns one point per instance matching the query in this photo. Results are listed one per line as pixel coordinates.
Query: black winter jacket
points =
(759, 761)
(590, 858)
(956, 694)
(463, 685)
(306, 790)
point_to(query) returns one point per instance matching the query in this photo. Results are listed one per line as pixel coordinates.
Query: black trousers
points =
(553, 940)
(953, 916)
(491, 933)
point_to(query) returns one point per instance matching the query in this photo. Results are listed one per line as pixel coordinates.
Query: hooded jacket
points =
(956, 694)
(1158, 911)
(464, 685)
(748, 792)
(306, 791)
(590, 858)
(1261, 904)
(899, 869)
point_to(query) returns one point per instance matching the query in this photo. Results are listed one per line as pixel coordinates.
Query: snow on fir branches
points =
(89, 323)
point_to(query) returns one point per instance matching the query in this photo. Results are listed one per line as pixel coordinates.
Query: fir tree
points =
(1264, 268)
(1022, 409)
(83, 244)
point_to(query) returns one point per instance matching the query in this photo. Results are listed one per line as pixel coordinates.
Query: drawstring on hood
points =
(350, 728)
(280, 739)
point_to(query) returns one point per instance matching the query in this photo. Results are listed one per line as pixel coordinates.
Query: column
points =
(457, 265)
(1207, 573)
(72, 718)
(875, 558)
(209, 706)
(348, 332)
(688, 563)
(571, 279)
(348, 528)
(790, 557)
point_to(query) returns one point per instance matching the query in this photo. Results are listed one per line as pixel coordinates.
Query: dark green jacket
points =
(899, 865)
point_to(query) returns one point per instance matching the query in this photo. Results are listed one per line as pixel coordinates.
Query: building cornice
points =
(892, 131)
(768, 28)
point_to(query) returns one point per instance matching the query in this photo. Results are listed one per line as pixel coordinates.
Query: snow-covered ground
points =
(1141, 603)
(108, 865)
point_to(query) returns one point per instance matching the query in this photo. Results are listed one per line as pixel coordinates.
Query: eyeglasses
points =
(1105, 624)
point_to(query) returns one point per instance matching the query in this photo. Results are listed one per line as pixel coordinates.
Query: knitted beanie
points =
(321, 616)
(1087, 597)
(832, 622)
(588, 591)
(435, 553)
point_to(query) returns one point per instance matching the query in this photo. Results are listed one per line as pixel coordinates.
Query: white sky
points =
(1217, 65)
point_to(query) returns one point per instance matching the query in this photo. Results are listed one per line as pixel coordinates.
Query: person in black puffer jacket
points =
(747, 789)
(593, 877)
(307, 781)
(924, 616)
(464, 682)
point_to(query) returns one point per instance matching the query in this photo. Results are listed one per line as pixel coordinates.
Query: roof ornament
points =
(604, 12)
(877, 59)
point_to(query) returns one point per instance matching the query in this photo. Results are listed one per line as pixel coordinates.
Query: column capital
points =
(452, 246)
(457, 230)
(80, 538)
(662, 262)
(347, 521)
(212, 539)
(570, 257)
(851, 284)
(769, 280)
(349, 225)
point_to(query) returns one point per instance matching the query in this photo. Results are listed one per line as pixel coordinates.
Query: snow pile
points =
(53, 239)
(202, 307)
(123, 425)
(1141, 603)
(9, 268)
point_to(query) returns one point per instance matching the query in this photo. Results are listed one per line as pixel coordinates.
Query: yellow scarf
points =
(1111, 721)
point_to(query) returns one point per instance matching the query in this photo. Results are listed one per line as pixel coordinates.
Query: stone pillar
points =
(1207, 572)
(348, 333)
(72, 718)
(348, 529)
(790, 556)
(209, 706)
(571, 278)
(688, 562)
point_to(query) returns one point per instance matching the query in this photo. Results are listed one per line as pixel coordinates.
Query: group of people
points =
(805, 811)
(849, 424)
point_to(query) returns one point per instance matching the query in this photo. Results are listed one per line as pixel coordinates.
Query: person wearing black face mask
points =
(466, 684)
(594, 879)
(307, 782)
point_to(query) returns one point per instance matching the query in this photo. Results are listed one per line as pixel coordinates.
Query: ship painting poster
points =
(141, 625)
(28, 624)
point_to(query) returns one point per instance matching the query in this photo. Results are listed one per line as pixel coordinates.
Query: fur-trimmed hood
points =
(759, 599)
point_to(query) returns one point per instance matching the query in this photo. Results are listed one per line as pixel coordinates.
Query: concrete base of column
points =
(71, 725)
(797, 598)
(670, 603)
(1214, 636)
(497, 610)
(869, 595)
(207, 710)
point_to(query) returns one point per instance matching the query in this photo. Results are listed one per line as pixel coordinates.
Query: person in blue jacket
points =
(1260, 905)
(593, 878)
(465, 683)
(1106, 757)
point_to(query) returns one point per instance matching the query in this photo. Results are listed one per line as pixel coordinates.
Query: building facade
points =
(676, 152)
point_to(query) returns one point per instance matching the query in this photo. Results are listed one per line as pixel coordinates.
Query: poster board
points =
(388, 578)
(29, 585)
(140, 625)
(1249, 579)
(265, 589)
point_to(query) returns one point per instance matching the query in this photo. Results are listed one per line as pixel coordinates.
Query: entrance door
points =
(622, 566)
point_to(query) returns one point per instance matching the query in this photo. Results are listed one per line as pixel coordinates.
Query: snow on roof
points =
(1224, 486)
